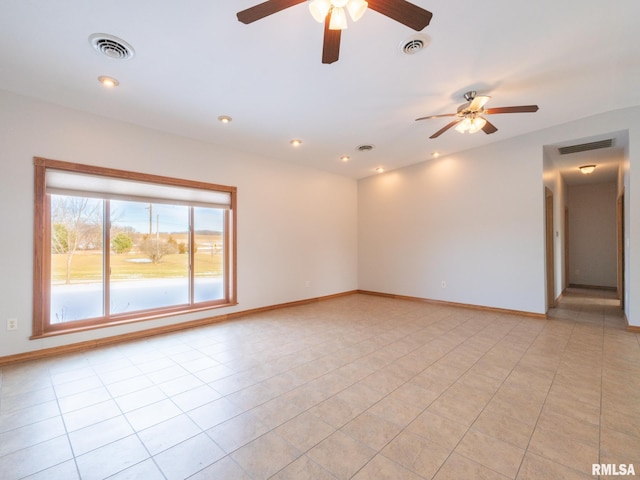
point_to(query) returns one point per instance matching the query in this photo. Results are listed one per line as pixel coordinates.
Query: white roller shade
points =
(62, 182)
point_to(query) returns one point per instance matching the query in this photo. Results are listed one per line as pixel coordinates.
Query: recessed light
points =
(345, 158)
(435, 154)
(109, 82)
(295, 142)
(225, 119)
(379, 169)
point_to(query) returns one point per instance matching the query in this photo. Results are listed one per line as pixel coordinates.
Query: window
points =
(112, 246)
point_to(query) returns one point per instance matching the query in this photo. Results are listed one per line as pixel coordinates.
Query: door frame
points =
(621, 252)
(549, 249)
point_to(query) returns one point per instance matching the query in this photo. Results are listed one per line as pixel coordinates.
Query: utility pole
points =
(150, 219)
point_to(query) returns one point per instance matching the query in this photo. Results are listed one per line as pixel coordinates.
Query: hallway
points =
(590, 306)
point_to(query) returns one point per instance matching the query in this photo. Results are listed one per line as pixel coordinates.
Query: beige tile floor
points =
(355, 387)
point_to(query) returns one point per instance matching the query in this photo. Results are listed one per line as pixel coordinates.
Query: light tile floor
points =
(358, 387)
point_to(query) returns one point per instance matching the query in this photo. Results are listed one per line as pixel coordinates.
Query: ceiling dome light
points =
(587, 169)
(345, 158)
(108, 82)
(295, 142)
(379, 169)
(225, 119)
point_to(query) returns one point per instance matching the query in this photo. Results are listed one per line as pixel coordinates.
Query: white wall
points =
(473, 220)
(294, 224)
(592, 235)
(476, 220)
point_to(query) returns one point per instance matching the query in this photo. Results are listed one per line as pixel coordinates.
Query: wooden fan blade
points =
(265, 9)
(331, 44)
(478, 102)
(489, 128)
(520, 109)
(402, 11)
(437, 116)
(445, 128)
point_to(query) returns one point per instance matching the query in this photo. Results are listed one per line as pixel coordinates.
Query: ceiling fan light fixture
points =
(319, 9)
(469, 115)
(464, 125)
(356, 9)
(471, 124)
(332, 12)
(476, 124)
(587, 169)
(338, 19)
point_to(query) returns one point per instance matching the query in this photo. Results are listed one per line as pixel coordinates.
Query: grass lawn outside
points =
(87, 266)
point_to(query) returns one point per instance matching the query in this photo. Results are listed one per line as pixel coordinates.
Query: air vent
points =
(414, 44)
(110, 46)
(364, 148)
(585, 147)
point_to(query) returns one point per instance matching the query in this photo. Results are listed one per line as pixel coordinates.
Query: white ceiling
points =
(194, 61)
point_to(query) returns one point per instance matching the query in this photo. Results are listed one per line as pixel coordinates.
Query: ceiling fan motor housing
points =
(464, 109)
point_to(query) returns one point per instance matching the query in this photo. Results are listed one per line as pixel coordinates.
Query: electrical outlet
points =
(12, 324)
(443, 284)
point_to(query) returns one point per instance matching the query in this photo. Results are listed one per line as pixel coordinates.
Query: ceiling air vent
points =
(110, 46)
(585, 147)
(414, 44)
(364, 148)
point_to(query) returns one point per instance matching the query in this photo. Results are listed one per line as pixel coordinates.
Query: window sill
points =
(136, 319)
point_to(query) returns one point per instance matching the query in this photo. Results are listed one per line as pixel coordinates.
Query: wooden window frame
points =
(42, 326)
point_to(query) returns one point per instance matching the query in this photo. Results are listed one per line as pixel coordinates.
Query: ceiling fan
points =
(331, 12)
(469, 115)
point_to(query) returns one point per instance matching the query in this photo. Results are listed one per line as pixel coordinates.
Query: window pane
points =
(76, 258)
(208, 226)
(149, 256)
(121, 246)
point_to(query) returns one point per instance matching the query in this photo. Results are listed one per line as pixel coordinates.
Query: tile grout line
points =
(441, 394)
(492, 396)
